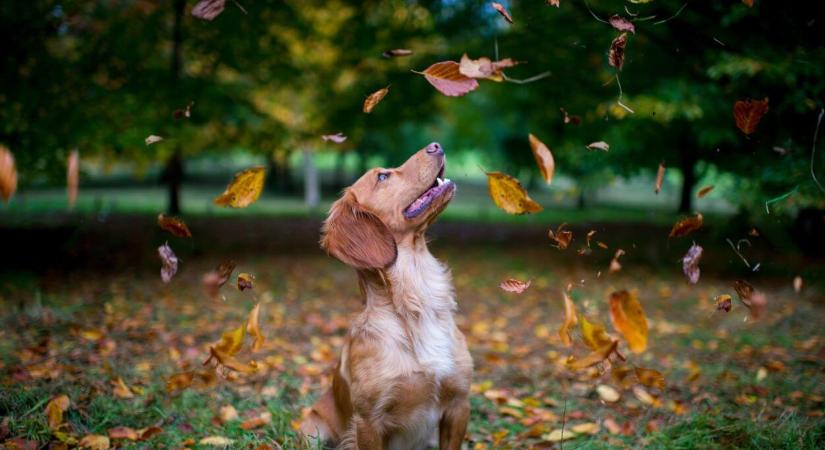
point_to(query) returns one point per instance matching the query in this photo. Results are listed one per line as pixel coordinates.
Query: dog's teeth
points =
(439, 181)
(446, 180)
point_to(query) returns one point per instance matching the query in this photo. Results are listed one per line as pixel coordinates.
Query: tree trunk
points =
(312, 186)
(687, 163)
(174, 166)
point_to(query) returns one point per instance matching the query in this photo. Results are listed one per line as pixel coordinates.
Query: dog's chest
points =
(434, 343)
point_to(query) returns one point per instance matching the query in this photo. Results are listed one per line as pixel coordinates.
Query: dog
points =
(403, 378)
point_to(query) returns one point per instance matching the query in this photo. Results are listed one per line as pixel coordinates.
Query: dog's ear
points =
(357, 237)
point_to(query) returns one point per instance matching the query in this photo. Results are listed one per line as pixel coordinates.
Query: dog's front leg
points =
(453, 424)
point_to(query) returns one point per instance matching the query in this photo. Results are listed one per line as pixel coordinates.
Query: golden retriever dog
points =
(403, 377)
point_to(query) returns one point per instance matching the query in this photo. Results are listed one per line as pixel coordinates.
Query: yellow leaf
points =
(120, 389)
(374, 99)
(650, 378)
(594, 334)
(628, 317)
(570, 320)
(231, 341)
(245, 281)
(179, 381)
(216, 441)
(585, 428)
(593, 358)
(244, 190)
(544, 158)
(94, 442)
(55, 409)
(254, 329)
(508, 194)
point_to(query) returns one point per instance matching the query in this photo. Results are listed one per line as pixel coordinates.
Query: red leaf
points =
(615, 56)
(498, 7)
(748, 113)
(446, 77)
(208, 9)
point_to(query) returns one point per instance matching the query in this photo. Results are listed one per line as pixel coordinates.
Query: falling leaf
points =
(615, 266)
(228, 413)
(607, 393)
(748, 3)
(797, 284)
(216, 441)
(650, 378)
(215, 279)
(498, 7)
(750, 297)
(120, 389)
(484, 68)
(337, 138)
(183, 113)
(575, 120)
(592, 358)
(208, 9)
(660, 178)
(231, 341)
(151, 139)
(570, 320)
(8, 175)
(244, 189)
(514, 285)
(55, 409)
(245, 281)
(507, 194)
(553, 3)
(174, 225)
(72, 177)
(643, 396)
(620, 374)
(229, 362)
(94, 442)
(375, 98)
(589, 236)
(690, 263)
(615, 56)
(561, 236)
(447, 79)
(169, 262)
(254, 329)
(594, 334)
(723, 303)
(544, 158)
(704, 191)
(265, 418)
(397, 52)
(599, 145)
(687, 225)
(628, 317)
(748, 113)
(622, 24)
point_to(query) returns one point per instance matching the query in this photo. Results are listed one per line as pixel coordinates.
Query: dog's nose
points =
(435, 149)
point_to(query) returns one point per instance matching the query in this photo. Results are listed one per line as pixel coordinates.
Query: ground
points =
(96, 313)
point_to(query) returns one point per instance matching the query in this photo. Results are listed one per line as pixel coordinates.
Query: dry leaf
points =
(254, 329)
(687, 225)
(228, 413)
(660, 178)
(797, 284)
(484, 68)
(598, 145)
(169, 262)
(593, 358)
(208, 9)
(265, 418)
(72, 177)
(561, 236)
(615, 266)
(148, 433)
(507, 194)
(123, 433)
(244, 189)
(183, 113)
(447, 79)
(55, 409)
(229, 362)
(245, 281)
(748, 3)
(8, 175)
(397, 52)
(553, 3)
(94, 442)
(594, 334)
(643, 396)
(650, 378)
(622, 24)
(615, 56)
(514, 285)
(750, 297)
(216, 441)
(748, 113)
(179, 381)
(337, 138)
(215, 279)
(544, 158)
(498, 7)
(704, 191)
(231, 341)
(174, 225)
(570, 320)
(690, 263)
(120, 389)
(629, 319)
(374, 98)
(151, 139)
(575, 120)
(607, 393)
(723, 303)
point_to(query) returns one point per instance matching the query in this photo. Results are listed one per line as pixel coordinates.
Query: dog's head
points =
(386, 206)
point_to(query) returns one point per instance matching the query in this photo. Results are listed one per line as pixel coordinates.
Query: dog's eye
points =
(383, 176)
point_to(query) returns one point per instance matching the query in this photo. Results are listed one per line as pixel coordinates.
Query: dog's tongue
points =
(424, 200)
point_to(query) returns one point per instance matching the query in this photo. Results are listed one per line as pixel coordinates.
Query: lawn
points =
(111, 337)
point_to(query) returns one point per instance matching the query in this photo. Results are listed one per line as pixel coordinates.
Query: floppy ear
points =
(357, 237)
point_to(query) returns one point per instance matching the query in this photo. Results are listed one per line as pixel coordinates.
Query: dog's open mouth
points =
(439, 187)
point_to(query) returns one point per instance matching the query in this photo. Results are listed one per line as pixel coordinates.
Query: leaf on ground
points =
(484, 68)
(508, 194)
(660, 178)
(396, 52)
(747, 114)
(608, 393)
(515, 286)
(756, 301)
(544, 158)
(8, 175)
(151, 139)
(179, 381)
(622, 24)
(594, 334)
(264, 418)
(216, 441)
(615, 55)
(650, 377)
(561, 236)
(645, 397)
(228, 413)
(94, 442)
(254, 329)
(174, 225)
(120, 389)
(570, 320)
(169, 262)
(244, 189)
(599, 145)
(686, 226)
(374, 99)
(208, 9)
(215, 279)
(72, 177)
(690, 263)
(629, 318)
(336, 138)
(704, 191)
(615, 265)
(123, 433)
(245, 281)
(55, 409)
(446, 77)
(723, 302)
(592, 358)
(501, 10)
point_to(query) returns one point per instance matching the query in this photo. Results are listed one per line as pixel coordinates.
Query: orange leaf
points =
(704, 191)
(245, 281)
(447, 78)
(723, 303)
(254, 329)
(123, 433)
(264, 418)
(120, 389)
(514, 285)
(179, 381)
(508, 194)
(55, 409)
(374, 99)
(72, 177)
(660, 178)
(8, 175)
(231, 341)
(750, 297)
(687, 225)
(174, 225)
(570, 320)
(628, 317)
(593, 358)
(748, 113)
(544, 158)
(244, 189)
(650, 378)
(561, 236)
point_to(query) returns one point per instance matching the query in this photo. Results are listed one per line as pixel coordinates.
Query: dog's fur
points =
(403, 377)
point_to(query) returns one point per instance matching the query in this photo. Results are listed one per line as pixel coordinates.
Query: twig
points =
(563, 418)
(619, 101)
(594, 14)
(813, 149)
(735, 250)
(672, 17)
(527, 80)
(629, 13)
(239, 6)
(495, 42)
(781, 197)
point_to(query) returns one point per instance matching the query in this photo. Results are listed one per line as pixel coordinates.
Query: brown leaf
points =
(570, 320)
(622, 24)
(723, 303)
(660, 178)
(748, 3)
(498, 7)
(8, 175)
(615, 56)
(750, 297)
(484, 68)
(244, 189)
(514, 285)
(599, 145)
(628, 317)
(650, 378)
(72, 177)
(397, 52)
(690, 263)
(446, 77)
(179, 381)
(375, 98)
(508, 194)
(797, 284)
(254, 329)
(265, 418)
(748, 113)
(183, 113)
(208, 9)
(245, 281)
(561, 236)
(575, 120)
(553, 3)
(215, 279)
(123, 433)
(592, 358)
(94, 442)
(704, 191)
(544, 158)
(169, 262)
(55, 409)
(615, 266)
(120, 389)
(145, 434)
(174, 225)
(337, 138)
(687, 225)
